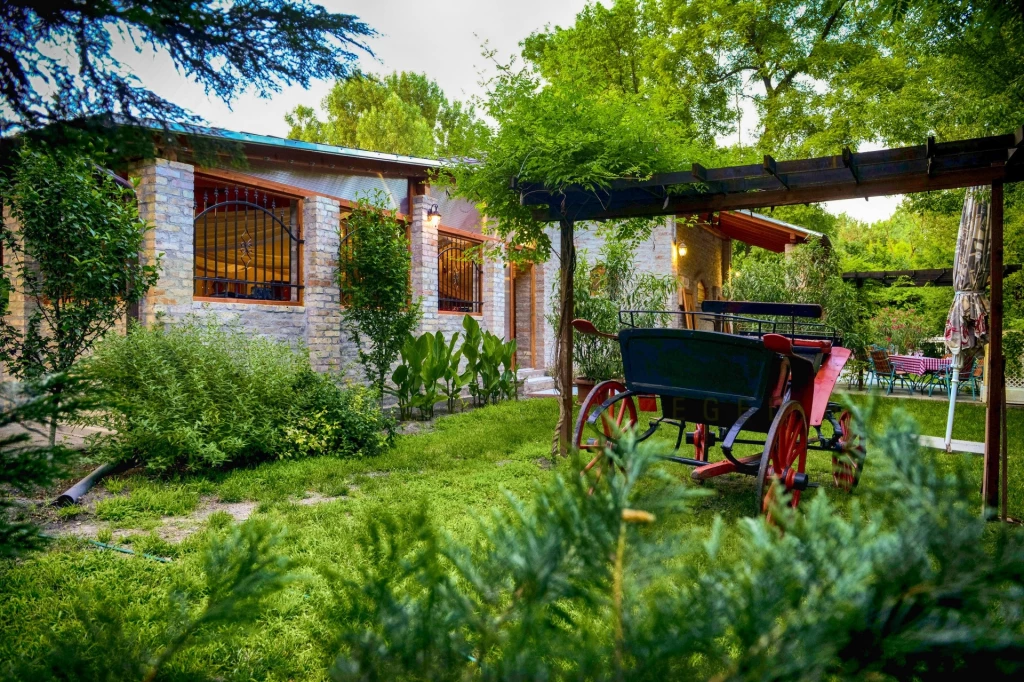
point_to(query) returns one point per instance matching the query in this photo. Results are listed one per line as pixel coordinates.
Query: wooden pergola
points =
(938, 277)
(992, 161)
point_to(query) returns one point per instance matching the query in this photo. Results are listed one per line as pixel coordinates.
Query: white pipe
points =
(954, 367)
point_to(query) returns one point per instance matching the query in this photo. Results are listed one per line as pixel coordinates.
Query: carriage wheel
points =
(785, 454)
(619, 415)
(700, 442)
(847, 465)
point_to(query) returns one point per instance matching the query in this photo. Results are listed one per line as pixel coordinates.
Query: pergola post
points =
(567, 255)
(996, 389)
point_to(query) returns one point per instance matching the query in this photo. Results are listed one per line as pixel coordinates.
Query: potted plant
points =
(597, 360)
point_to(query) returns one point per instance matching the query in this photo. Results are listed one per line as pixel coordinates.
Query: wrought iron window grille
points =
(459, 277)
(245, 246)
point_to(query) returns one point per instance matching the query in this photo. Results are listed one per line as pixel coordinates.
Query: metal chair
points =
(971, 372)
(885, 371)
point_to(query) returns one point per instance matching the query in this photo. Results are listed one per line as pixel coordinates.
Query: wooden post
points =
(567, 256)
(996, 394)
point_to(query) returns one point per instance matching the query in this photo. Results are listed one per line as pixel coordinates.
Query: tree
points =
(374, 267)
(74, 256)
(402, 113)
(558, 133)
(695, 58)
(618, 49)
(809, 274)
(226, 47)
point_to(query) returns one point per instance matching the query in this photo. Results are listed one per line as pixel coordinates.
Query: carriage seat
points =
(819, 345)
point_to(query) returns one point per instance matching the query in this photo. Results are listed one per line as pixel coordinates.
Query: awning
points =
(760, 230)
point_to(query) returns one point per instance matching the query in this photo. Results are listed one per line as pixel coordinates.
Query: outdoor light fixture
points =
(680, 249)
(433, 216)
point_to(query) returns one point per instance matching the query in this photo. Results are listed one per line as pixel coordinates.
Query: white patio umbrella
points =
(967, 322)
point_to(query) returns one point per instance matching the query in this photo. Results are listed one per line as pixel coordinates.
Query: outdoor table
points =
(920, 367)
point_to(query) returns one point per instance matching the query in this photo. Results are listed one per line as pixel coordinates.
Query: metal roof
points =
(299, 145)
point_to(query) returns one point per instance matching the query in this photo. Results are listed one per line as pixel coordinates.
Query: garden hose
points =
(115, 548)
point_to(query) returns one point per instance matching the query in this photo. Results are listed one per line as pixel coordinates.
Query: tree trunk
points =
(563, 354)
(53, 420)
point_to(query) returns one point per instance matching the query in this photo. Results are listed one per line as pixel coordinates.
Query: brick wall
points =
(423, 243)
(167, 203)
(328, 350)
(707, 261)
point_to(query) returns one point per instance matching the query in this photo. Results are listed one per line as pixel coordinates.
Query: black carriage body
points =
(703, 377)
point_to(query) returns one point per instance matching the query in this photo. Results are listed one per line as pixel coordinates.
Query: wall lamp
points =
(433, 216)
(680, 249)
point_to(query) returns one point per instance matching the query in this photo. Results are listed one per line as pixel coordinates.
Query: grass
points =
(459, 469)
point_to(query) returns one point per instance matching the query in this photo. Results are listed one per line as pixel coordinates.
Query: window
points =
(246, 244)
(459, 278)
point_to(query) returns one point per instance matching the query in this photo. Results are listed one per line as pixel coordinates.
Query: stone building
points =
(258, 247)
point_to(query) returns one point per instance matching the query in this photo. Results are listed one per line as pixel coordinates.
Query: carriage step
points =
(719, 468)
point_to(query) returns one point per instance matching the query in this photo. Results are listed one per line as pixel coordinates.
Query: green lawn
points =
(460, 468)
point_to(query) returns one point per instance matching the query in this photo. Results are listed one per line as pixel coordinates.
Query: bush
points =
(195, 397)
(911, 584)
(429, 370)
(374, 265)
(901, 330)
(811, 273)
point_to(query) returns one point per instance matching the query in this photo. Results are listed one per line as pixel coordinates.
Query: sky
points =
(442, 38)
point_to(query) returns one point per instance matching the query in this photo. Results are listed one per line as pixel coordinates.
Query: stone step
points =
(538, 385)
(525, 373)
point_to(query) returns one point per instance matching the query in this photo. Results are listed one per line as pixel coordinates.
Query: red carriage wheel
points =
(700, 442)
(618, 416)
(847, 465)
(785, 455)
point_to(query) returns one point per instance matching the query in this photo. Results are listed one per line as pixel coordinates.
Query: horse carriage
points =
(735, 367)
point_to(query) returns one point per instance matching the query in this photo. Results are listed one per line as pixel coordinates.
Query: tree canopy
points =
(58, 62)
(819, 74)
(401, 113)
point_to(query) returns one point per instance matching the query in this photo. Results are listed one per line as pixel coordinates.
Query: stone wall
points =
(321, 220)
(167, 202)
(424, 237)
(423, 243)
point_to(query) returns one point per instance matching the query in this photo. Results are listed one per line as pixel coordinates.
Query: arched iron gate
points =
(244, 246)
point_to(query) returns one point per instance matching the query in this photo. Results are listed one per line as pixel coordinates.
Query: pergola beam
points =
(934, 276)
(928, 167)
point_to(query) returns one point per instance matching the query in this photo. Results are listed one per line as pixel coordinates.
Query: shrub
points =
(900, 329)
(910, 584)
(195, 397)
(811, 273)
(374, 263)
(600, 290)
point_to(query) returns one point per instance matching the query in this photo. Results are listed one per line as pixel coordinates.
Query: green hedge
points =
(196, 397)
(1013, 351)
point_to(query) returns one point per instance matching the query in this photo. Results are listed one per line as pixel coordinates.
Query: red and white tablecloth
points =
(915, 365)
